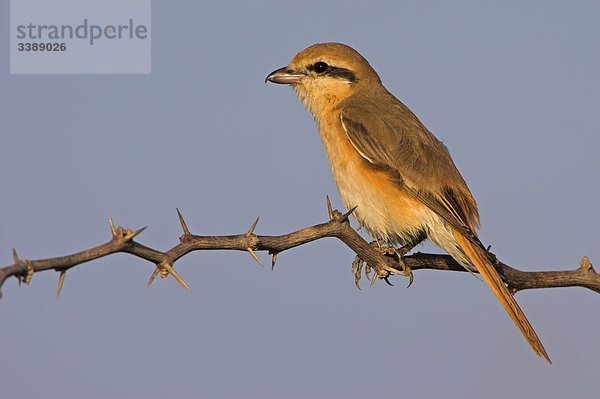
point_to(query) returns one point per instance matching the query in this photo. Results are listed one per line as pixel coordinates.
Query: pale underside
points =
(383, 209)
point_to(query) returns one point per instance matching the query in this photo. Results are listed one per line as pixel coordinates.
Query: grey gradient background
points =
(513, 89)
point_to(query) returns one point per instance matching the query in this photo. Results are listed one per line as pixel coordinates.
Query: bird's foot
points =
(382, 272)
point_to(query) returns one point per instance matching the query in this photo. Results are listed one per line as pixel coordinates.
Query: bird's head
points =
(325, 74)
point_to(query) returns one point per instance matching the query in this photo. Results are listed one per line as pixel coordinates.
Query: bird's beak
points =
(284, 76)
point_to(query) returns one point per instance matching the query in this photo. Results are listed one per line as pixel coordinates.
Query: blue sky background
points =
(512, 88)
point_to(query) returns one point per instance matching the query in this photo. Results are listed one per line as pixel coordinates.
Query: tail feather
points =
(492, 278)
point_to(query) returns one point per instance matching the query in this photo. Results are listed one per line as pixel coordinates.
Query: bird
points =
(397, 176)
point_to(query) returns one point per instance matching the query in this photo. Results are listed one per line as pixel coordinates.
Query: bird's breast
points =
(383, 207)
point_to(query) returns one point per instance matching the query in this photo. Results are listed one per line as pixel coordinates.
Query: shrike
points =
(397, 174)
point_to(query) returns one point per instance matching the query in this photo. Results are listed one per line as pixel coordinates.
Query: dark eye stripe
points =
(335, 72)
(342, 73)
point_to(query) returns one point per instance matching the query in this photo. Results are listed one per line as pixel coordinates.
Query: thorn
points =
(489, 248)
(251, 229)
(154, 274)
(410, 280)
(186, 231)
(253, 254)
(134, 234)
(113, 231)
(177, 277)
(345, 215)
(273, 260)
(329, 208)
(390, 284)
(61, 281)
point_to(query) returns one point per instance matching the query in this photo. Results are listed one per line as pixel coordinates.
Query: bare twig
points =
(122, 240)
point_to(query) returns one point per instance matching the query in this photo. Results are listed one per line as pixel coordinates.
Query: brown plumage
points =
(399, 175)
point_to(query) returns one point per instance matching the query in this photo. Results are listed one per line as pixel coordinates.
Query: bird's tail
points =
(480, 260)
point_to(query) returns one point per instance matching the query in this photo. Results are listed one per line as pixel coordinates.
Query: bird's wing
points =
(399, 144)
(395, 141)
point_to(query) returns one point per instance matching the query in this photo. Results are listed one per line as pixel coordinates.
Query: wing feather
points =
(414, 161)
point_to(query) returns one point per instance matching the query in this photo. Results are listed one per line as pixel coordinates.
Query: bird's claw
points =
(357, 266)
(406, 270)
(384, 274)
(368, 271)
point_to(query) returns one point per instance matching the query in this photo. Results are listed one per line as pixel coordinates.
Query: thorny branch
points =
(122, 240)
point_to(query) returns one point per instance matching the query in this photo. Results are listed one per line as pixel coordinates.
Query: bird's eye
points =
(320, 67)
